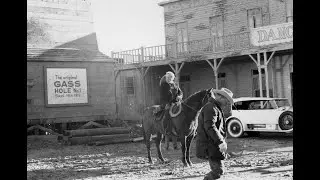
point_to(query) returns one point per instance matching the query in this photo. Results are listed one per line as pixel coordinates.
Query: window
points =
(182, 37)
(216, 31)
(222, 80)
(184, 78)
(129, 85)
(289, 8)
(254, 18)
(255, 105)
(256, 85)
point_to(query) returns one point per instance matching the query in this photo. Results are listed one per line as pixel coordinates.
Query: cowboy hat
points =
(225, 93)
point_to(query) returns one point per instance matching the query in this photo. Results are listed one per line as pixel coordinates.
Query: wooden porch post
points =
(144, 86)
(265, 66)
(260, 75)
(215, 68)
(266, 62)
(116, 72)
(266, 72)
(177, 73)
(177, 70)
(143, 73)
(216, 73)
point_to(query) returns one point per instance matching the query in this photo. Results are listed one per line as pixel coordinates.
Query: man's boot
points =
(170, 131)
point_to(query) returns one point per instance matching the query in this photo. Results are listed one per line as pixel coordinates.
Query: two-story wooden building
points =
(244, 45)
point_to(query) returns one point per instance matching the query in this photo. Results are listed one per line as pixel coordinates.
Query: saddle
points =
(158, 112)
(174, 110)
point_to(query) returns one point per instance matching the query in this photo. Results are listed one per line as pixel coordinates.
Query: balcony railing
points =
(221, 44)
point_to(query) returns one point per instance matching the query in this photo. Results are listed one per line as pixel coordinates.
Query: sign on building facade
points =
(273, 34)
(66, 86)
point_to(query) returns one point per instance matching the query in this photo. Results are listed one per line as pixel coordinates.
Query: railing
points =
(231, 42)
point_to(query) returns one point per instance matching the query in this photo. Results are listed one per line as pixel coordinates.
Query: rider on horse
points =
(169, 93)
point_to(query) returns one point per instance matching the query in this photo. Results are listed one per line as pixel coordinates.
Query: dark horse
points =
(185, 124)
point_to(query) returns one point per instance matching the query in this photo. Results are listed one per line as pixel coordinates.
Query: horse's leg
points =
(147, 139)
(158, 146)
(167, 141)
(183, 149)
(174, 142)
(189, 140)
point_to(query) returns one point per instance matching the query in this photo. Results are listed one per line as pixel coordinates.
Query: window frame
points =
(255, 17)
(130, 92)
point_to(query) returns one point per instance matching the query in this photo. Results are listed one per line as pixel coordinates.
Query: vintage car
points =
(252, 115)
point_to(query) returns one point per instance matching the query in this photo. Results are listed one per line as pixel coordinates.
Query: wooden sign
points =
(273, 34)
(66, 86)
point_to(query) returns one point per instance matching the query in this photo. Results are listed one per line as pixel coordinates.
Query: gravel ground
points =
(269, 156)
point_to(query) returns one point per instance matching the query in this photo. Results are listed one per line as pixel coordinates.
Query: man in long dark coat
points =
(211, 132)
(169, 93)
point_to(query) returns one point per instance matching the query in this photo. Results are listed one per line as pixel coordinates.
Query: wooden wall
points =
(100, 86)
(196, 15)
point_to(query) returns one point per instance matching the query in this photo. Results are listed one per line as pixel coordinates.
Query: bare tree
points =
(36, 32)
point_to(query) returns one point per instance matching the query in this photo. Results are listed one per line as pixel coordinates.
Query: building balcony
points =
(230, 45)
(233, 42)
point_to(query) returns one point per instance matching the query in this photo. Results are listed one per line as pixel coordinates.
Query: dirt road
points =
(269, 156)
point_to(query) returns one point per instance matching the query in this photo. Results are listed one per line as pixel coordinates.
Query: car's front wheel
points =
(286, 120)
(234, 128)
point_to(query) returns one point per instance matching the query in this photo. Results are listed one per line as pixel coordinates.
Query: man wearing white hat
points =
(211, 132)
(169, 93)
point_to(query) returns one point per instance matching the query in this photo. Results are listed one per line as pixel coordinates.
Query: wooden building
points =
(244, 45)
(69, 80)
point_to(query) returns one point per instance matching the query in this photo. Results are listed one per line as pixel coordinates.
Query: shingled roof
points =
(64, 54)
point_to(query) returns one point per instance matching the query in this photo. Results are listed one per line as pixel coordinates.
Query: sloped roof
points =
(64, 54)
(167, 2)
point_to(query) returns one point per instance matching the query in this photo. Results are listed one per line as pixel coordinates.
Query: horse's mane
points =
(198, 113)
(195, 96)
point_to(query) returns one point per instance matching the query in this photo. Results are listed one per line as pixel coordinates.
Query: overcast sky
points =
(128, 24)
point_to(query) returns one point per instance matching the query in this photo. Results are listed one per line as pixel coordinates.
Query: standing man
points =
(211, 132)
(169, 93)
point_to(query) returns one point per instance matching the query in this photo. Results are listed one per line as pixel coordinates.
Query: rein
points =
(192, 107)
(188, 106)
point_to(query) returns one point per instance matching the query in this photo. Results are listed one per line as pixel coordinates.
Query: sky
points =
(128, 24)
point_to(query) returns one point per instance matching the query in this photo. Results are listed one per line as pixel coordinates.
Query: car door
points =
(255, 114)
(264, 114)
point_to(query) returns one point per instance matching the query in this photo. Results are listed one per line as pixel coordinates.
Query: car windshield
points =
(282, 102)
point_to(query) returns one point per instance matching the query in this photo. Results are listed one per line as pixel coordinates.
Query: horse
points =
(185, 125)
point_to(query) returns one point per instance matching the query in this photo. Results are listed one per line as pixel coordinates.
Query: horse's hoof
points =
(190, 164)
(150, 162)
(185, 165)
